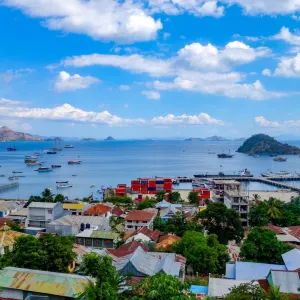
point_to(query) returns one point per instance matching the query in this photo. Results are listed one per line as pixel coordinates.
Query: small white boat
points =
(69, 146)
(63, 186)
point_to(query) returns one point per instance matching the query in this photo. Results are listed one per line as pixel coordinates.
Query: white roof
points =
(219, 287)
(287, 238)
(292, 259)
(42, 205)
(288, 282)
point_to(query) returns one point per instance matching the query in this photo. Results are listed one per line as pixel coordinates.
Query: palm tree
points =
(256, 197)
(274, 206)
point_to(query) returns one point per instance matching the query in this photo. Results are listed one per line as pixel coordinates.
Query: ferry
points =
(245, 173)
(55, 166)
(69, 146)
(62, 181)
(279, 159)
(74, 162)
(44, 169)
(63, 186)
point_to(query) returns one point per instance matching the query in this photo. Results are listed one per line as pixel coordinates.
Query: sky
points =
(150, 69)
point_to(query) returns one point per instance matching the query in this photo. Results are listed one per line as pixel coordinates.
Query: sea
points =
(108, 163)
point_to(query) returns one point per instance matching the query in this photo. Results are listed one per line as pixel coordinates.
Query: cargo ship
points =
(243, 173)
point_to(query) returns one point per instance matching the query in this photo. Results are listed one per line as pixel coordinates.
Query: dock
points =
(8, 186)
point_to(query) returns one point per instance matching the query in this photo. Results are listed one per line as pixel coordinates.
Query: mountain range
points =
(7, 134)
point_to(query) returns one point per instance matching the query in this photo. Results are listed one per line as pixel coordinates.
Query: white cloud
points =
(66, 82)
(288, 67)
(7, 102)
(10, 75)
(287, 36)
(67, 112)
(262, 122)
(153, 95)
(26, 126)
(267, 72)
(201, 119)
(124, 87)
(108, 20)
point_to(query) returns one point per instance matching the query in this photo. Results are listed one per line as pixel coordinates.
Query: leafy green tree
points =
(117, 200)
(204, 254)
(274, 208)
(246, 291)
(263, 246)
(59, 198)
(15, 227)
(193, 198)
(274, 294)
(258, 215)
(48, 253)
(47, 195)
(174, 197)
(147, 203)
(160, 196)
(225, 223)
(162, 287)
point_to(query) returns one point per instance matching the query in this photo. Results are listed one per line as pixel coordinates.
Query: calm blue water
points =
(110, 163)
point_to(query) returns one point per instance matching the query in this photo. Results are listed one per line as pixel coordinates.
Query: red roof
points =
(139, 215)
(117, 211)
(97, 210)
(153, 235)
(5, 220)
(294, 231)
(274, 228)
(128, 248)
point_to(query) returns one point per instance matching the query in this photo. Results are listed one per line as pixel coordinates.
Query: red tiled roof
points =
(97, 210)
(117, 211)
(274, 228)
(294, 231)
(134, 280)
(5, 220)
(153, 235)
(128, 248)
(139, 215)
(167, 241)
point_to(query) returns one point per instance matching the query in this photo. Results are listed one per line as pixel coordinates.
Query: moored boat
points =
(224, 155)
(279, 159)
(69, 146)
(12, 148)
(51, 152)
(62, 181)
(31, 164)
(44, 169)
(56, 166)
(63, 186)
(74, 162)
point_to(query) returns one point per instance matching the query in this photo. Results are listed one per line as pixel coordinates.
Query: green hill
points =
(264, 144)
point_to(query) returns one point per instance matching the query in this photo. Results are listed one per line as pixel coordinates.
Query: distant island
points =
(264, 144)
(194, 139)
(9, 135)
(54, 139)
(110, 138)
(211, 138)
(88, 139)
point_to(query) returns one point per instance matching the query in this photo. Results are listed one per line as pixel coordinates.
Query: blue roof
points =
(292, 259)
(230, 271)
(254, 271)
(199, 289)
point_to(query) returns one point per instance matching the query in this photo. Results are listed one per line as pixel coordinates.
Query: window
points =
(129, 226)
(98, 243)
(88, 242)
(49, 211)
(145, 222)
(129, 221)
(79, 241)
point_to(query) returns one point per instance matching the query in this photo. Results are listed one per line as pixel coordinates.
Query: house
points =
(292, 260)
(220, 287)
(17, 283)
(97, 238)
(143, 234)
(128, 248)
(8, 238)
(137, 219)
(73, 224)
(76, 209)
(42, 213)
(117, 211)
(166, 242)
(99, 210)
(8, 207)
(168, 212)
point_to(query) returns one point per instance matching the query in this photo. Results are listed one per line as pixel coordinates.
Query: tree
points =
(193, 198)
(274, 293)
(274, 208)
(174, 197)
(117, 200)
(256, 197)
(225, 223)
(147, 203)
(59, 198)
(48, 253)
(162, 287)
(263, 246)
(160, 196)
(204, 254)
(258, 215)
(246, 291)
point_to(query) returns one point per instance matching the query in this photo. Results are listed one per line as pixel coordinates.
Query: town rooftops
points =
(42, 205)
(67, 285)
(152, 234)
(250, 270)
(139, 215)
(167, 241)
(74, 206)
(287, 281)
(97, 210)
(100, 234)
(8, 237)
(292, 259)
(117, 211)
(128, 248)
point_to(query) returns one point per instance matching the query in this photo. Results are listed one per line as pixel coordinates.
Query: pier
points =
(274, 181)
(8, 186)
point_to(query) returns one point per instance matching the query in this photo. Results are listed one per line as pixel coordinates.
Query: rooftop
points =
(97, 210)
(128, 248)
(152, 234)
(292, 259)
(139, 215)
(101, 234)
(67, 285)
(42, 205)
(167, 241)
(288, 282)
(8, 237)
(73, 205)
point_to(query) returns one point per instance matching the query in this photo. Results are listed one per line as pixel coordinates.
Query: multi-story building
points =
(230, 193)
(42, 213)
(137, 219)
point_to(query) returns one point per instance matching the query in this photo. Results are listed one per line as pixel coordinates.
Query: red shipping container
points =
(152, 183)
(135, 182)
(120, 190)
(167, 180)
(122, 185)
(168, 185)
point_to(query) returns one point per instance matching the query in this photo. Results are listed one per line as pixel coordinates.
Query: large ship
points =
(243, 173)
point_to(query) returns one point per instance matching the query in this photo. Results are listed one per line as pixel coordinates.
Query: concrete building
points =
(230, 193)
(137, 219)
(76, 209)
(42, 213)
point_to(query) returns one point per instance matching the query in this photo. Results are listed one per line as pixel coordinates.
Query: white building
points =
(137, 219)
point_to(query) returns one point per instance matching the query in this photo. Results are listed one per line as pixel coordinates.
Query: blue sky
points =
(156, 68)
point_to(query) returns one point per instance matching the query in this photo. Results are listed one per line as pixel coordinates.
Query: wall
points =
(11, 293)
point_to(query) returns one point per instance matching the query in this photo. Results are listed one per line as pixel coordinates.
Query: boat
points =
(69, 146)
(17, 172)
(224, 155)
(51, 152)
(209, 152)
(13, 178)
(93, 185)
(31, 157)
(55, 166)
(279, 159)
(246, 173)
(62, 181)
(74, 162)
(199, 184)
(12, 148)
(2, 175)
(27, 160)
(63, 186)
(175, 182)
(74, 175)
(56, 149)
(31, 164)
(44, 169)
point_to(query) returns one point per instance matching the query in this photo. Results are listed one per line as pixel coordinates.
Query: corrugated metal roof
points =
(67, 285)
(101, 234)
(230, 271)
(292, 259)
(42, 205)
(139, 215)
(254, 271)
(288, 282)
(73, 205)
(8, 237)
(219, 287)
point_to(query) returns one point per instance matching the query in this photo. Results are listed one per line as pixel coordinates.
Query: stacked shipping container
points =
(152, 186)
(204, 193)
(121, 190)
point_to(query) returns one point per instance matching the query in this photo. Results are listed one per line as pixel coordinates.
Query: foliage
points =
(274, 293)
(147, 203)
(204, 254)
(197, 281)
(276, 212)
(264, 144)
(246, 291)
(193, 198)
(117, 200)
(174, 197)
(162, 287)
(160, 196)
(48, 253)
(263, 246)
(15, 227)
(47, 196)
(225, 223)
